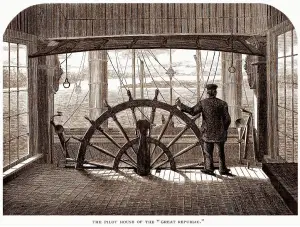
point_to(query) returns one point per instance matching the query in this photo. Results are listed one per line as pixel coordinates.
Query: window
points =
(287, 88)
(15, 104)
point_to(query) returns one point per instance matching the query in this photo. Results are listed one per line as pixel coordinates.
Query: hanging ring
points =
(231, 69)
(66, 84)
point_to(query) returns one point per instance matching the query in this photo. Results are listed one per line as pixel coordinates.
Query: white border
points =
(8, 10)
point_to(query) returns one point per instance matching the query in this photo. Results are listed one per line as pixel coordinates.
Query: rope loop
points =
(66, 84)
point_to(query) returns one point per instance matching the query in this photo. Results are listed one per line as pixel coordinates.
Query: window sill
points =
(13, 172)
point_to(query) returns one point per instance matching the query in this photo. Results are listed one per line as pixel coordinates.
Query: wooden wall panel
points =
(47, 20)
(213, 16)
(205, 16)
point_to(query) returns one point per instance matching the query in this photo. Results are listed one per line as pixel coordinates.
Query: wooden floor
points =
(186, 175)
(49, 190)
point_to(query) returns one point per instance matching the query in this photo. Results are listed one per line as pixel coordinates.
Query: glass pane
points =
(289, 123)
(295, 70)
(5, 54)
(13, 78)
(5, 105)
(22, 55)
(13, 150)
(5, 154)
(281, 45)
(289, 96)
(288, 43)
(13, 103)
(281, 119)
(288, 68)
(23, 124)
(289, 149)
(13, 54)
(296, 126)
(296, 97)
(281, 145)
(295, 151)
(23, 146)
(295, 42)
(5, 77)
(13, 127)
(5, 130)
(23, 101)
(23, 78)
(280, 70)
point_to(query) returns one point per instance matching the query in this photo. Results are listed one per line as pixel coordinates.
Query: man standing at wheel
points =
(215, 123)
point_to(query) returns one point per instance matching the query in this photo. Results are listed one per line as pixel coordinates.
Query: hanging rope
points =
(123, 82)
(144, 77)
(76, 108)
(79, 72)
(209, 73)
(118, 74)
(231, 68)
(66, 84)
(152, 54)
(155, 83)
(165, 80)
(216, 67)
(202, 72)
(152, 77)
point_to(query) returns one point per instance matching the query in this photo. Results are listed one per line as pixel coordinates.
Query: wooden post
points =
(133, 75)
(97, 83)
(261, 116)
(143, 153)
(232, 85)
(142, 71)
(199, 72)
(45, 98)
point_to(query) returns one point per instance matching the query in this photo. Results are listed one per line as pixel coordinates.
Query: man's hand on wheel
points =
(178, 102)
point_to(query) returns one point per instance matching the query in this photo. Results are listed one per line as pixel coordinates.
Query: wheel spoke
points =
(112, 155)
(178, 154)
(183, 151)
(160, 164)
(97, 165)
(131, 159)
(133, 114)
(108, 137)
(178, 136)
(188, 165)
(122, 130)
(155, 160)
(102, 150)
(162, 132)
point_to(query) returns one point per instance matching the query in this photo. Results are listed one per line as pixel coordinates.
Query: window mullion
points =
(18, 100)
(292, 61)
(284, 79)
(9, 158)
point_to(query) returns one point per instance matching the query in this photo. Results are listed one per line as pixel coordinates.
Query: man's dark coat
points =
(215, 118)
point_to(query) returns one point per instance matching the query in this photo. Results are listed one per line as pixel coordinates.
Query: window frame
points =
(278, 132)
(18, 113)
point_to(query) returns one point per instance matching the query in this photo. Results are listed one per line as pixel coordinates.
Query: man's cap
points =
(211, 86)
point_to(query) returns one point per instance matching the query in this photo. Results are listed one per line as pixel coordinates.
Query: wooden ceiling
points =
(251, 45)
